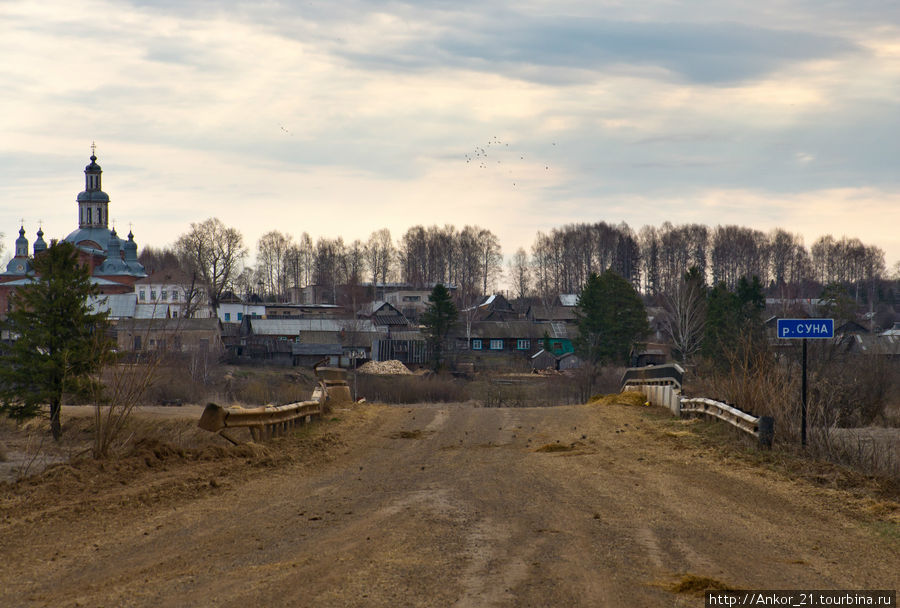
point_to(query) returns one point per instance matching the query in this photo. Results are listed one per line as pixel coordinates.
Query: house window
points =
(174, 295)
(142, 295)
(523, 344)
(137, 343)
(174, 314)
(227, 316)
(164, 294)
(476, 344)
(153, 294)
(240, 316)
(496, 344)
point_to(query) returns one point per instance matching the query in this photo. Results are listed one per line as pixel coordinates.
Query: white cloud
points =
(345, 119)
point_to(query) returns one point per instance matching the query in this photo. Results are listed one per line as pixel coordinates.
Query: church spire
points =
(93, 202)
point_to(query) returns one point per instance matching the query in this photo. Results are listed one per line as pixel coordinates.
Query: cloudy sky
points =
(341, 118)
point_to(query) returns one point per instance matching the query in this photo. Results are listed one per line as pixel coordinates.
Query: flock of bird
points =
(494, 154)
(499, 152)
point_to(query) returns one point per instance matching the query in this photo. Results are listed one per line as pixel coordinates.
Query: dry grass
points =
(691, 584)
(626, 398)
(559, 447)
(416, 434)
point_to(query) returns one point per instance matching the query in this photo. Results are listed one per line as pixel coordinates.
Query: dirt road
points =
(442, 506)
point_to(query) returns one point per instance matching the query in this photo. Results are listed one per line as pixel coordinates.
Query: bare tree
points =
(491, 258)
(520, 274)
(213, 251)
(380, 253)
(684, 320)
(272, 260)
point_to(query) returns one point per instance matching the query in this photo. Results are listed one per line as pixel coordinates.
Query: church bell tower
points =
(93, 203)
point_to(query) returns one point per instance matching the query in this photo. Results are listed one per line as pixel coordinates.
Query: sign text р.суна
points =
(805, 328)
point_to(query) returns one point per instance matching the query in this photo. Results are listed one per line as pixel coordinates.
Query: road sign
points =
(805, 328)
(802, 329)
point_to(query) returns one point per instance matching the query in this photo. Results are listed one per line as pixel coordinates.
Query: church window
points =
(88, 219)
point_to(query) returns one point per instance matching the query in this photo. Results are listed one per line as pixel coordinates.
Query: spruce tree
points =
(611, 319)
(56, 344)
(437, 319)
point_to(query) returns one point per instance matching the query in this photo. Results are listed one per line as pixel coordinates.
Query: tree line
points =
(653, 259)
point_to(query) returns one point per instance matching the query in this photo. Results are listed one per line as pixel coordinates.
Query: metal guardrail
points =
(651, 380)
(269, 421)
(669, 374)
(761, 427)
(264, 422)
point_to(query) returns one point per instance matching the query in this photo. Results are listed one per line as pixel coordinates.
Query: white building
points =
(170, 294)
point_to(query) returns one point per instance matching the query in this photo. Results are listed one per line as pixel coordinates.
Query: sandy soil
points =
(436, 506)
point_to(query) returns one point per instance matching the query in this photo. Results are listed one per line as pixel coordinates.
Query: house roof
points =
(179, 324)
(293, 327)
(119, 306)
(568, 299)
(500, 329)
(167, 276)
(551, 313)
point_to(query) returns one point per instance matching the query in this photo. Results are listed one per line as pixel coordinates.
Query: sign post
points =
(803, 329)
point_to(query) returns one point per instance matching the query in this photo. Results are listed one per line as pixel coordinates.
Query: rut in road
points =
(458, 506)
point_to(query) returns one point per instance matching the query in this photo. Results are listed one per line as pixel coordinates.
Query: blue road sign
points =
(805, 328)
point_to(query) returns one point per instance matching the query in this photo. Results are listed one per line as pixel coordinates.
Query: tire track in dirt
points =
(454, 506)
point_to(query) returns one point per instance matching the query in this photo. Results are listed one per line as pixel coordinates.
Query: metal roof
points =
(293, 327)
(119, 306)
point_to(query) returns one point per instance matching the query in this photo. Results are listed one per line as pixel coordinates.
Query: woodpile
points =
(384, 368)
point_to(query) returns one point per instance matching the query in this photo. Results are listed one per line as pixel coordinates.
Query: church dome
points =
(40, 244)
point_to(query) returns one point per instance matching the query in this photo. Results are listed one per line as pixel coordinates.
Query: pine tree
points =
(611, 318)
(437, 319)
(57, 343)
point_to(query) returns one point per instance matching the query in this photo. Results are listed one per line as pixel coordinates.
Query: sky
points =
(342, 118)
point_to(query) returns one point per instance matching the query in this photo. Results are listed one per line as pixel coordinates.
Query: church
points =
(113, 261)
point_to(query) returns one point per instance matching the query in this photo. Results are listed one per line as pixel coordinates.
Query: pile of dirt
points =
(384, 368)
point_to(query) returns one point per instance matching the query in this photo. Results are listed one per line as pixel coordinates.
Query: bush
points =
(844, 391)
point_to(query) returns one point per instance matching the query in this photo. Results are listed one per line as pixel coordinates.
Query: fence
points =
(665, 391)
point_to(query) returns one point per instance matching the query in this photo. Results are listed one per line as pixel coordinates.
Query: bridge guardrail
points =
(664, 391)
(269, 421)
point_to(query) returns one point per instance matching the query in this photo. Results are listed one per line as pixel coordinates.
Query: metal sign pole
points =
(801, 329)
(803, 400)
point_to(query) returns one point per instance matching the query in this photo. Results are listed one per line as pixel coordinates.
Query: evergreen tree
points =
(611, 318)
(57, 343)
(733, 320)
(437, 319)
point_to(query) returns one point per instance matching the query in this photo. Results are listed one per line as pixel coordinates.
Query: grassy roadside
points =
(873, 500)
